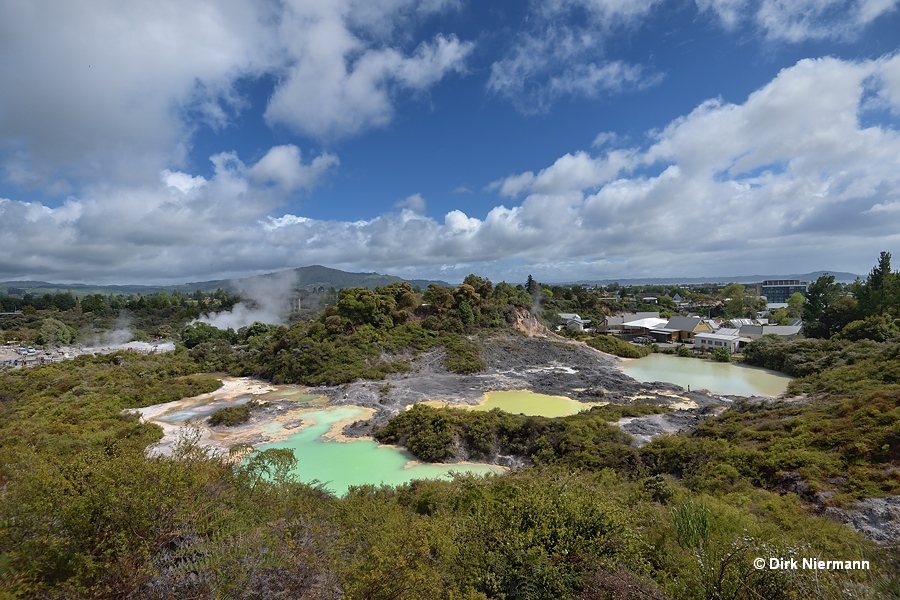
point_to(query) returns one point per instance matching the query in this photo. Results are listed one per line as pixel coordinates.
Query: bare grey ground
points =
(547, 365)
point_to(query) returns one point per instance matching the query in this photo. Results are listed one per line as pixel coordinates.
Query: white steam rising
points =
(122, 334)
(266, 299)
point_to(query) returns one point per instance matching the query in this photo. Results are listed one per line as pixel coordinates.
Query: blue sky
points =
(162, 141)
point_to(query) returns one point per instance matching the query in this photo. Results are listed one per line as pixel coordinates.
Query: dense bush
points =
(721, 354)
(850, 446)
(617, 347)
(586, 440)
(462, 355)
(231, 415)
(800, 358)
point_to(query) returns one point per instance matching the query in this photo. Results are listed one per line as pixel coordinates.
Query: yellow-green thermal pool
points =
(525, 402)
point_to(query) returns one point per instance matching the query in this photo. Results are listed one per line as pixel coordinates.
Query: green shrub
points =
(721, 355)
(462, 355)
(615, 346)
(231, 415)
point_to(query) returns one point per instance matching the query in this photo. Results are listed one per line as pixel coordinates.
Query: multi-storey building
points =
(779, 290)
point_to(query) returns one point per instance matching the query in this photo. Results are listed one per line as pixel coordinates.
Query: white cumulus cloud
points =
(283, 166)
(333, 84)
(100, 90)
(800, 20)
(727, 188)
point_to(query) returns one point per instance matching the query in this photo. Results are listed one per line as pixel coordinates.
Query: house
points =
(787, 332)
(615, 323)
(681, 329)
(728, 331)
(731, 341)
(573, 322)
(738, 323)
(641, 326)
(773, 306)
(649, 300)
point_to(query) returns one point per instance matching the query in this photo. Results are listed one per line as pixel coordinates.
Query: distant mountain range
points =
(839, 276)
(315, 276)
(304, 277)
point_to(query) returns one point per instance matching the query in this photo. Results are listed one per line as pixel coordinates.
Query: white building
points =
(709, 341)
(573, 322)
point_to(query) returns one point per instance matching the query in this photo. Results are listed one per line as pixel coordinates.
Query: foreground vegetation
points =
(85, 513)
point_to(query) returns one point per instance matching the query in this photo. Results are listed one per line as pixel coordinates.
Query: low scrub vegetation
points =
(231, 416)
(617, 347)
(85, 513)
(585, 440)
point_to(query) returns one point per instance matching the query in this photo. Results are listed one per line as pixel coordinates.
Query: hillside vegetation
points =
(85, 513)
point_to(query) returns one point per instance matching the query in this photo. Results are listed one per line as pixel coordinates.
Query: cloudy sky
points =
(163, 141)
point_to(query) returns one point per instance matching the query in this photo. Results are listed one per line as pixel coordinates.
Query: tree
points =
(363, 306)
(438, 297)
(482, 286)
(93, 303)
(881, 290)
(64, 301)
(199, 333)
(733, 297)
(54, 332)
(818, 319)
(795, 305)
(840, 313)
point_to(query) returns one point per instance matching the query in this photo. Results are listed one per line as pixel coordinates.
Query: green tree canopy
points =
(828, 309)
(880, 293)
(54, 332)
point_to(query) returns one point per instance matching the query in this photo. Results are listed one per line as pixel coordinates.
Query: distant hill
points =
(839, 276)
(313, 276)
(39, 288)
(306, 277)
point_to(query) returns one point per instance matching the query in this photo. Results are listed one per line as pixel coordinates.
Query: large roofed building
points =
(681, 329)
(779, 290)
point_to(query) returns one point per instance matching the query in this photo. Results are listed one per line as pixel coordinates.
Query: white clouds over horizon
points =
(324, 124)
(768, 180)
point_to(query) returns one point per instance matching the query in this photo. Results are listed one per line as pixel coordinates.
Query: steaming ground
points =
(67, 352)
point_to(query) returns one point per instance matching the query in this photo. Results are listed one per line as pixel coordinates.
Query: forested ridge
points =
(84, 513)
